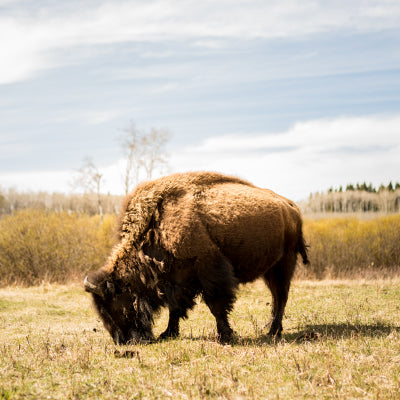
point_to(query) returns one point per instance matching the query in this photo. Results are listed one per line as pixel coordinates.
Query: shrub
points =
(349, 247)
(37, 246)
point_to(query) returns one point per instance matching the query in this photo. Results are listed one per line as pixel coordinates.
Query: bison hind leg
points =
(278, 279)
(219, 285)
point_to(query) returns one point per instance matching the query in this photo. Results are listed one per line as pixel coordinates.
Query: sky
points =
(293, 95)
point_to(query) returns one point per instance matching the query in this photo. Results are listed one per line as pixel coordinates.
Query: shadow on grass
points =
(320, 332)
(341, 331)
(309, 334)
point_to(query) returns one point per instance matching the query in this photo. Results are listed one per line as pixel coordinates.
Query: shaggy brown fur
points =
(195, 233)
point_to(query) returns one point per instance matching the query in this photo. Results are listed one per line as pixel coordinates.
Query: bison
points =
(191, 234)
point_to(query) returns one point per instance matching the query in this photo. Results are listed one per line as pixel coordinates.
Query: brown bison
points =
(189, 234)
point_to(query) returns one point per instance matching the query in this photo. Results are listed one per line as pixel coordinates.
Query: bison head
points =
(126, 316)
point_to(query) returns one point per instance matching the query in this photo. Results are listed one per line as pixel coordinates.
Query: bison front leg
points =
(172, 330)
(218, 287)
(181, 299)
(278, 280)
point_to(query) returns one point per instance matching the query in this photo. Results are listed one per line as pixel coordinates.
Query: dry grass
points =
(353, 248)
(341, 340)
(40, 246)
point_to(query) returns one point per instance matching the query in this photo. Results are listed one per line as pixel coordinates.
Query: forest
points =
(358, 198)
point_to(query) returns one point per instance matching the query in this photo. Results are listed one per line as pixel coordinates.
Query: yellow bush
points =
(349, 247)
(37, 246)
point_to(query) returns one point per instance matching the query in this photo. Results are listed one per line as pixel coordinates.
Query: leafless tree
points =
(90, 179)
(154, 151)
(131, 147)
(386, 201)
(143, 151)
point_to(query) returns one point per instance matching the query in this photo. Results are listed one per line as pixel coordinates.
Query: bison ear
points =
(97, 283)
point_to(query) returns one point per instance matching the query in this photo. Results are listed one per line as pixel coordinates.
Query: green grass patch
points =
(341, 340)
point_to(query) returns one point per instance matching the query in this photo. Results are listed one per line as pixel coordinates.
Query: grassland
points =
(341, 340)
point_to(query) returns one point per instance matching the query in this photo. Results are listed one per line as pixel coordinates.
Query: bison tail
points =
(302, 249)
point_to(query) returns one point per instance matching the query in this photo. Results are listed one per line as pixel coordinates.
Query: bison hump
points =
(142, 206)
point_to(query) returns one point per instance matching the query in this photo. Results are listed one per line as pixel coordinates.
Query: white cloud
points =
(98, 117)
(36, 181)
(27, 42)
(309, 157)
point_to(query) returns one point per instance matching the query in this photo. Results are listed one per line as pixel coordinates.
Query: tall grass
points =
(41, 246)
(353, 248)
(37, 246)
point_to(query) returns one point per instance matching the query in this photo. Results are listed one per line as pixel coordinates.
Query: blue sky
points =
(295, 96)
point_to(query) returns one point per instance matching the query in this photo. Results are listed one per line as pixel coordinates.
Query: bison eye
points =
(110, 288)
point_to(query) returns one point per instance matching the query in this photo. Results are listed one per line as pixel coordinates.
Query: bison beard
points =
(190, 234)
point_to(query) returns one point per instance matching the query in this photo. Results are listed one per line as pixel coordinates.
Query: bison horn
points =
(90, 287)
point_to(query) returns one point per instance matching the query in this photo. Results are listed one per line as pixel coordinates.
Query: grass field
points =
(341, 340)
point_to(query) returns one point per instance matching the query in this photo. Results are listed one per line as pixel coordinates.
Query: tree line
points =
(12, 200)
(363, 187)
(356, 198)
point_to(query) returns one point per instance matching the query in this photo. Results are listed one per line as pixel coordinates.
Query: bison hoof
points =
(168, 334)
(275, 333)
(227, 337)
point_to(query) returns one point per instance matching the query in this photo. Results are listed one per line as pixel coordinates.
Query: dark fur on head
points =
(127, 299)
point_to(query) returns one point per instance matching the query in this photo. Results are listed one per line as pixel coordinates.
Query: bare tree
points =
(154, 151)
(90, 179)
(143, 151)
(131, 147)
